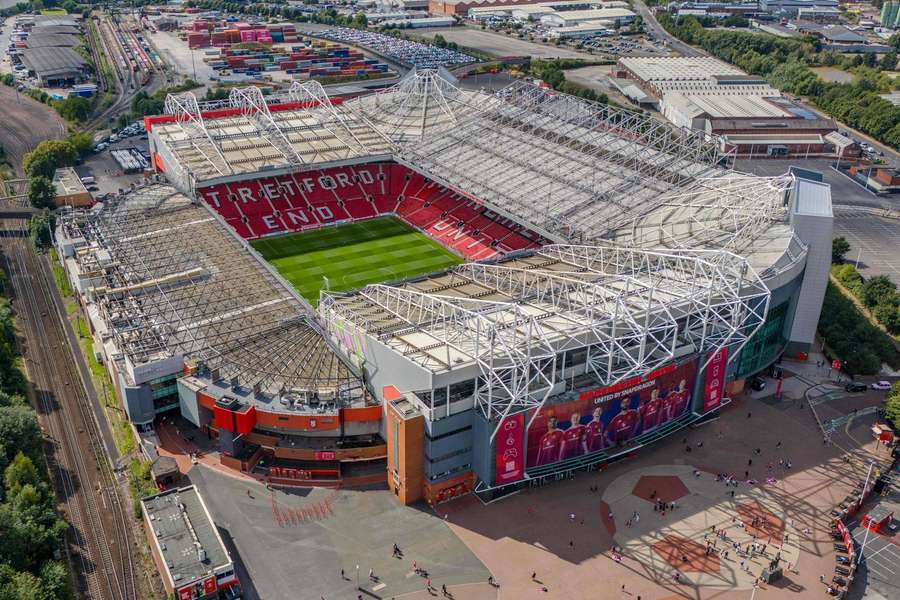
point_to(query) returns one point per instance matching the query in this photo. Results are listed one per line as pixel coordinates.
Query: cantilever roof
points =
(181, 285)
(570, 169)
(693, 243)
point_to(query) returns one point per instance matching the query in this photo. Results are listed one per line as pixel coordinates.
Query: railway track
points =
(128, 79)
(100, 548)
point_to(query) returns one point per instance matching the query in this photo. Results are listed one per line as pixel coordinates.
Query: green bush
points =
(849, 335)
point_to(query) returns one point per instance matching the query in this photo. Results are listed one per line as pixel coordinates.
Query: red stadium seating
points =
(311, 199)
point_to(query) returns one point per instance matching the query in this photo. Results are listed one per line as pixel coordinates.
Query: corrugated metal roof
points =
(52, 61)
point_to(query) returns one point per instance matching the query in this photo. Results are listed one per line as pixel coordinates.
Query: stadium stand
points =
(300, 201)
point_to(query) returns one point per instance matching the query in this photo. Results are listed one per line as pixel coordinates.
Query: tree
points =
(839, 248)
(41, 192)
(888, 314)
(55, 580)
(878, 289)
(82, 143)
(74, 108)
(20, 472)
(39, 228)
(20, 432)
(888, 61)
(892, 405)
(48, 156)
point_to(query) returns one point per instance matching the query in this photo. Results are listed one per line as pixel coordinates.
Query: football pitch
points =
(353, 255)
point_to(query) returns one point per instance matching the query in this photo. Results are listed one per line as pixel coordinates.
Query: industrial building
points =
(70, 190)
(186, 546)
(692, 110)
(572, 18)
(620, 276)
(55, 66)
(790, 8)
(533, 12)
(746, 115)
(480, 9)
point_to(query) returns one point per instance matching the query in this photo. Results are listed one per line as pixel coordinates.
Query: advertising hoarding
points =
(715, 380)
(610, 416)
(510, 452)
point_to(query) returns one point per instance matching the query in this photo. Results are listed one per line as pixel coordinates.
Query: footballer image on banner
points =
(608, 417)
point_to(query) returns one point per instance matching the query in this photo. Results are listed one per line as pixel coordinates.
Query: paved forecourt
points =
(353, 255)
(708, 539)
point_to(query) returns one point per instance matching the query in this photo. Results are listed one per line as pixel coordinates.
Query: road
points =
(100, 540)
(651, 25)
(858, 214)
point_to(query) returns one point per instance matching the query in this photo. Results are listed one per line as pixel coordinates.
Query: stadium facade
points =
(622, 282)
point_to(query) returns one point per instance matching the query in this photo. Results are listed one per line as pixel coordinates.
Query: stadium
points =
(446, 289)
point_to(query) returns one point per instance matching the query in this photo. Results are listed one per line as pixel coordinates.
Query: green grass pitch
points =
(353, 255)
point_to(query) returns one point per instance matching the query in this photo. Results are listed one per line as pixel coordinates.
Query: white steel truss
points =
(252, 104)
(320, 107)
(423, 102)
(185, 109)
(727, 211)
(631, 308)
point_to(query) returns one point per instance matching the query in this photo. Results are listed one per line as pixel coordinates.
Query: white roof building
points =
(571, 18)
(691, 111)
(693, 68)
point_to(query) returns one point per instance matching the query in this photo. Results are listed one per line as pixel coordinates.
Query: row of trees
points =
(878, 294)
(892, 406)
(551, 71)
(30, 527)
(74, 108)
(785, 63)
(847, 333)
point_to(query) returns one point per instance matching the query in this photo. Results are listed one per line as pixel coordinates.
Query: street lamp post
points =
(357, 577)
(866, 537)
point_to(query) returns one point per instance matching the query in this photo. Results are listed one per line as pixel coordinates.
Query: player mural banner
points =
(509, 450)
(715, 380)
(607, 417)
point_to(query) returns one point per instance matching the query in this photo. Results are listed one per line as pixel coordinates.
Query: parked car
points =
(881, 385)
(855, 386)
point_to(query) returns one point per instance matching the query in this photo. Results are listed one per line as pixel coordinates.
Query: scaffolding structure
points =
(169, 281)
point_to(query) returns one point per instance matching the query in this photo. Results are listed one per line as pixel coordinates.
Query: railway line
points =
(132, 69)
(99, 541)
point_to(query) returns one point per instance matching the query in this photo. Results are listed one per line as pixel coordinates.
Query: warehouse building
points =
(572, 18)
(750, 117)
(790, 8)
(693, 111)
(70, 190)
(55, 66)
(582, 30)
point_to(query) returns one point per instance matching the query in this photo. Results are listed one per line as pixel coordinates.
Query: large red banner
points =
(715, 380)
(510, 449)
(610, 416)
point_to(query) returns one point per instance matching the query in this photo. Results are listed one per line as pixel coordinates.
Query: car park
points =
(423, 56)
